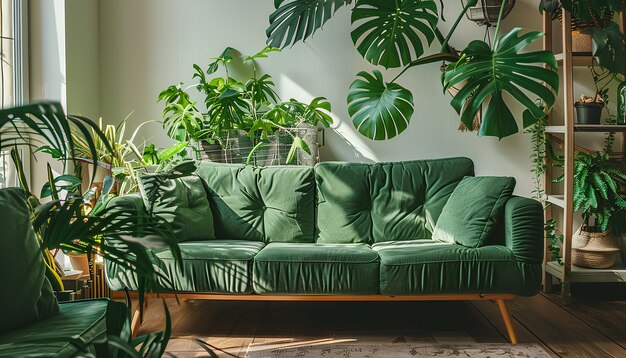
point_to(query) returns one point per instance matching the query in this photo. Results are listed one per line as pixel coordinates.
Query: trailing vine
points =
(602, 79)
(541, 150)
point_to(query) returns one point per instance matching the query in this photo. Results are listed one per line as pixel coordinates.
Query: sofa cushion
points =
(430, 267)
(273, 204)
(182, 202)
(287, 268)
(474, 210)
(367, 203)
(79, 324)
(215, 266)
(27, 295)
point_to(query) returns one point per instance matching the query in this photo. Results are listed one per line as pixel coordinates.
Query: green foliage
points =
(555, 238)
(609, 43)
(379, 110)
(251, 105)
(296, 20)
(597, 181)
(503, 69)
(396, 34)
(388, 33)
(66, 223)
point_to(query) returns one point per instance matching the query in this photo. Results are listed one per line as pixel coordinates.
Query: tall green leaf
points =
(388, 33)
(379, 110)
(296, 20)
(491, 73)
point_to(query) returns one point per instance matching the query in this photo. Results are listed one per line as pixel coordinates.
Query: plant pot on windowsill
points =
(589, 110)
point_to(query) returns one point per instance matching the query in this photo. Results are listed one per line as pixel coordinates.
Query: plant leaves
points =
(296, 20)
(491, 73)
(379, 110)
(388, 33)
(609, 47)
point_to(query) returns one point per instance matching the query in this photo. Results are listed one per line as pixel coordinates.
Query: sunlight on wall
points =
(344, 129)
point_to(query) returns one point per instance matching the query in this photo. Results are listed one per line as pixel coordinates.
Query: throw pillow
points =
(27, 295)
(182, 202)
(473, 211)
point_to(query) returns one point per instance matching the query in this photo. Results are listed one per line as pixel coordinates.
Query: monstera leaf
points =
(490, 73)
(609, 47)
(379, 110)
(388, 32)
(296, 20)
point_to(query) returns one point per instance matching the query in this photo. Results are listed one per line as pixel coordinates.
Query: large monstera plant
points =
(396, 34)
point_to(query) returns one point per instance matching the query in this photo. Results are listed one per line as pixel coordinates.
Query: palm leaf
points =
(388, 33)
(503, 69)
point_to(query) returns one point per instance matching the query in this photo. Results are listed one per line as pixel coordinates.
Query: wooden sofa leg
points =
(506, 317)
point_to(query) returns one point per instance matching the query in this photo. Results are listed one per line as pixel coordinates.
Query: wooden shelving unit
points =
(567, 129)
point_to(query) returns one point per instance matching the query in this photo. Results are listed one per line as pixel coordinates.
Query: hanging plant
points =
(395, 33)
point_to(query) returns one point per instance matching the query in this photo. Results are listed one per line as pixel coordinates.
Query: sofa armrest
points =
(523, 229)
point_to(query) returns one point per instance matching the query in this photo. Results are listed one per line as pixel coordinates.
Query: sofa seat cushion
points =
(79, 324)
(287, 268)
(430, 267)
(215, 266)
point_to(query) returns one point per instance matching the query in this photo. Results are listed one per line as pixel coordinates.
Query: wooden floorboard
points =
(581, 330)
(606, 317)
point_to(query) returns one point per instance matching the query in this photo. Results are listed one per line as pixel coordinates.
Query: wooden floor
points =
(587, 328)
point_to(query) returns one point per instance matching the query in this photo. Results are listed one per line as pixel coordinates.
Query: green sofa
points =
(32, 323)
(344, 230)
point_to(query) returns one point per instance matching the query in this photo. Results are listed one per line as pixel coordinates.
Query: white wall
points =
(146, 45)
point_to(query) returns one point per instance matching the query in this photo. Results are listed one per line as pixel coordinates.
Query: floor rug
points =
(399, 350)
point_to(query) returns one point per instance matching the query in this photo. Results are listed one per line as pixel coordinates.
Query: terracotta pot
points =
(598, 250)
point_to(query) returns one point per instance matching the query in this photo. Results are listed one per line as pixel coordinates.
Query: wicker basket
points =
(581, 42)
(597, 250)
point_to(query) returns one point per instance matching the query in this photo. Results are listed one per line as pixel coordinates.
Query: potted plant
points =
(63, 223)
(241, 117)
(597, 195)
(382, 109)
(589, 109)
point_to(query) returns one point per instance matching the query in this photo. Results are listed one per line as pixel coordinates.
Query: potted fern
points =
(597, 195)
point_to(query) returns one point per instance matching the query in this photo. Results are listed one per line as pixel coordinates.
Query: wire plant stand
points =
(238, 147)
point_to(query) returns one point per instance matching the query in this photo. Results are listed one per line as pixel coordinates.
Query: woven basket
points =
(578, 24)
(597, 250)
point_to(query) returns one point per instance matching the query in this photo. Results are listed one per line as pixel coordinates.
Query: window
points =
(11, 73)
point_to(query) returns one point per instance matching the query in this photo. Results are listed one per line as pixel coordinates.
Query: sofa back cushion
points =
(368, 203)
(182, 202)
(27, 295)
(273, 204)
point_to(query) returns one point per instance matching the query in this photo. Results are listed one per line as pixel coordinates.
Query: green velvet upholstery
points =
(430, 267)
(474, 210)
(80, 328)
(348, 229)
(215, 266)
(288, 268)
(27, 295)
(183, 203)
(273, 204)
(368, 203)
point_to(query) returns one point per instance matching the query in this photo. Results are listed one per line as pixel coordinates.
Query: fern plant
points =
(597, 182)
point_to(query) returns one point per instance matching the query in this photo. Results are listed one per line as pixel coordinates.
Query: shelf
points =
(589, 128)
(580, 274)
(557, 200)
(578, 60)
